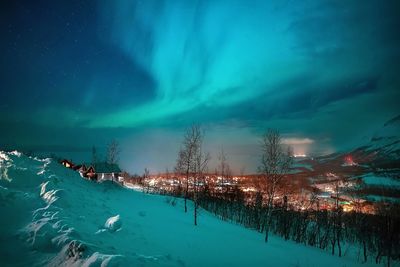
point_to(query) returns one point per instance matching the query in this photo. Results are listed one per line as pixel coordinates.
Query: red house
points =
(90, 173)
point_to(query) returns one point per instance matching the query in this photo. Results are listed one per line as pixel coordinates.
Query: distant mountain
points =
(382, 150)
(386, 141)
(375, 163)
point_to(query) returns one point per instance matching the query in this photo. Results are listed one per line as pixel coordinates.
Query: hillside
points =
(51, 216)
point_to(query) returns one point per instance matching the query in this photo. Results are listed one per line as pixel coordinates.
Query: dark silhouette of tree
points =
(187, 156)
(275, 164)
(192, 163)
(146, 175)
(113, 151)
(223, 167)
(200, 166)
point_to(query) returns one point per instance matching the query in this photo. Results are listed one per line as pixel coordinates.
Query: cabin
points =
(67, 163)
(90, 173)
(111, 172)
(82, 169)
(104, 171)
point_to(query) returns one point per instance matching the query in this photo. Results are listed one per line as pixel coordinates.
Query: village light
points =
(347, 208)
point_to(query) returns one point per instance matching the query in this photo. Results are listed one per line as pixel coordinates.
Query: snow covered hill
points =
(379, 157)
(51, 216)
(386, 141)
(382, 148)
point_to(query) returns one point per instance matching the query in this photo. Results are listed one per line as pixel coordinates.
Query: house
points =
(102, 171)
(82, 169)
(67, 163)
(90, 173)
(107, 171)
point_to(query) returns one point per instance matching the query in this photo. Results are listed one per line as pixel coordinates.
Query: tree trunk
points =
(365, 250)
(339, 230)
(185, 202)
(268, 221)
(187, 189)
(266, 233)
(377, 258)
(195, 213)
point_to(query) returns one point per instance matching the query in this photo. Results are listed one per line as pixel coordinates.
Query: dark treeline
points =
(377, 237)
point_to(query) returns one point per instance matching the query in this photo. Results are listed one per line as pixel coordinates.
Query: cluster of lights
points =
(219, 185)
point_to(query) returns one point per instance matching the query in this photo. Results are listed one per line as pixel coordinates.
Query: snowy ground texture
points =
(51, 216)
(373, 180)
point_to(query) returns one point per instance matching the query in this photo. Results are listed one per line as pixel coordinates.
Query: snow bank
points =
(373, 180)
(113, 223)
(376, 198)
(133, 187)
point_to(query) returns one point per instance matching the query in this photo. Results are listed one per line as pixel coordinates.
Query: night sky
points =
(74, 74)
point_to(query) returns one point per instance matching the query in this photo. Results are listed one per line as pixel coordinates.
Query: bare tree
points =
(224, 168)
(200, 166)
(187, 156)
(113, 151)
(179, 168)
(222, 164)
(167, 173)
(146, 175)
(183, 168)
(340, 186)
(275, 164)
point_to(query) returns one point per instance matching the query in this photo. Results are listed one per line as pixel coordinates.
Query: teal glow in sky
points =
(202, 54)
(80, 73)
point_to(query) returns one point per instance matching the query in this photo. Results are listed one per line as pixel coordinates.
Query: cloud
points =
(304, 57)
(200, 53)
(297, 141)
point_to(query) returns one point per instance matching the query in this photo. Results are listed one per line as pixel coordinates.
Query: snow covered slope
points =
(386, 141)
(51, 216)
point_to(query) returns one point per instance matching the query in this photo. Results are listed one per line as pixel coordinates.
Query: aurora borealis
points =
(80, 73)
